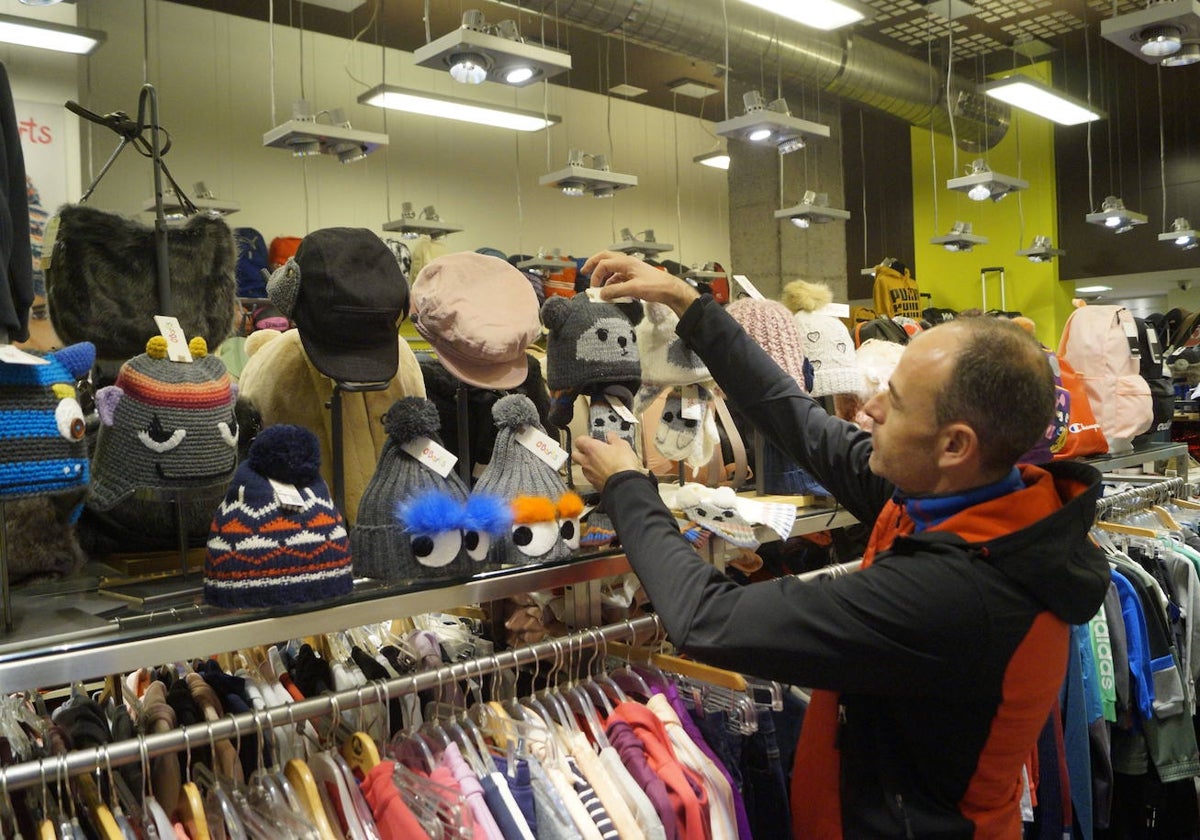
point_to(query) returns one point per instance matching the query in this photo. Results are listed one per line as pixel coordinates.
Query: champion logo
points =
(1076, 428)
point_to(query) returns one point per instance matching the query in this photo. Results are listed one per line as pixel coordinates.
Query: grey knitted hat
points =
(381, 545)
(590, 342)
(545, 516)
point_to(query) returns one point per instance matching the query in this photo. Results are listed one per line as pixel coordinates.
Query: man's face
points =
(906, 433)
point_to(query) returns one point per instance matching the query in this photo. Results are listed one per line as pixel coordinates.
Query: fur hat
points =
(770, 324)
(545, 516)
(265, 551)
(665, 359)
(590, 343)
(417, 544)
(164, 424)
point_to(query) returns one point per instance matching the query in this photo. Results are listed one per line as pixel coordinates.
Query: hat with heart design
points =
(827, 342)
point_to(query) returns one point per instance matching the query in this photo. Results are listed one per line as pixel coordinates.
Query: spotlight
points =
(469, 68)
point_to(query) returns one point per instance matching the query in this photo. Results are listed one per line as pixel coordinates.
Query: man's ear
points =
(959, 446)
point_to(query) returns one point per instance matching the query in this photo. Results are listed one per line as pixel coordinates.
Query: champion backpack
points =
(1101, 343)
(1158, 376)
(251, 262)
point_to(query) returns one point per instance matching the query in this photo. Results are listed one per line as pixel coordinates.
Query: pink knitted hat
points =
(772, 325)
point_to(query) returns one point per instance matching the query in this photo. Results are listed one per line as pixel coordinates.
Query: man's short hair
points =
(1001, 386)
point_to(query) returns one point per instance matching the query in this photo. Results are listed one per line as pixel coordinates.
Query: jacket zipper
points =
(908, 830)
(841, 716)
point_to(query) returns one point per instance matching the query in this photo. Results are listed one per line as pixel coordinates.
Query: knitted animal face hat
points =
(665, 359)
(827, 342)
(773, 328)
(440, 532)
(42, 425)
(277, 539)
(164, 424)
(545, 515)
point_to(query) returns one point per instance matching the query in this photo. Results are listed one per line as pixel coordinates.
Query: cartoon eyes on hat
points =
(535, 538)
(68, 416)
(229, 431)
(688, 422)
(569, 530)
(436, 550)
(157, 439)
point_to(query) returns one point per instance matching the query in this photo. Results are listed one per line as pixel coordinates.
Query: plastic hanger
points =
(191, 803)
(219, 805)
(305, 786)
(7, 813)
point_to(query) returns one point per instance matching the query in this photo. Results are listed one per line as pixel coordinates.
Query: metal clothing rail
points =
(1138, 498)
(144, 747)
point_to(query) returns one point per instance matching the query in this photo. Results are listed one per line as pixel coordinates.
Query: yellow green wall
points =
(954, 278)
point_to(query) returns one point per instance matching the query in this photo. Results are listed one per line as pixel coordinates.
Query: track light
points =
(1189, 53)
(477, 52)
(586, 173)
(960, 238)
(982, 183)
(410, 225)
(772, 123)
(647, 245)
(303, 135)
(1115, 217)
(1181, 234)
(1041, 251)
(813, 209)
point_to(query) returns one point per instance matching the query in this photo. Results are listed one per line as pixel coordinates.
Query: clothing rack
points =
(1153, 493)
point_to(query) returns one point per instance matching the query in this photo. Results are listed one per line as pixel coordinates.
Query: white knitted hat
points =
(666, 360)
(830, 350)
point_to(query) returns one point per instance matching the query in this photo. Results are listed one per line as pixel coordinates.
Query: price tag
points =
(542, 445)
(16, 356)
(778, 517)
(593, 295)
(620, 408)
(748, 287)
(693, 406)
(432, 454)
(49, 235)
(836, 310)
(287, 495)
(177, 348)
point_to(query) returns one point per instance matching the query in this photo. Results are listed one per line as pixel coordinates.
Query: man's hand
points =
(620, 275)
(601, 461)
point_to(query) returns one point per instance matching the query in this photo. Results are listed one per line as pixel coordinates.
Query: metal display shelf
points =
(63, 636)
(1177, 452)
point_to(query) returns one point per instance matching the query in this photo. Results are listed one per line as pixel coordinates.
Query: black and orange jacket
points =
(936, 666)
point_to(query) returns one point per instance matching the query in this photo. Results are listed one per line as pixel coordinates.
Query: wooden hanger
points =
(678, 665)
(305, 786)
(1128, 530)
(102, 817)
(360, 753)
(1186, 504)
(191, 812)
(1165, 517)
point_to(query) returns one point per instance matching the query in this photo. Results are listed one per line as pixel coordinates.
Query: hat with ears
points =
(545, 516)
(590, 343)
(827, 342)
(389, 549)
(772, 327)
(480, 314)
(270, 546)
(665, 359)
(347, 295)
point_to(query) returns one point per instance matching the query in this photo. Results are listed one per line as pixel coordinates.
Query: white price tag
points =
(620, 408)
(693, 406)
(49, 235)
(16, 356)
(542, 445)
(432, 454)
(177, 346)
(593, 295)
(287, 495)
(748, 287)
(778, 517)
(836, 310)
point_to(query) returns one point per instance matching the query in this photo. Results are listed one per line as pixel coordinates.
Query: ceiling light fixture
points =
(691, 88)
(1041, 251)
(450, 108)
(1158, 31)
(176, 210)
(40, 2)
(477, 52)
(303, 135)
(410, 225)
(960, 238)
(770, 122)
(813, 209)
(43, 35)
(1115, 217)
(546, 264)
(1092, 290)
(1189, 53)
(587, 174)
(627, 90)
(1181, 234)
(1036, 98)
(982, 183)
(717, 159)
(819, 14)
(647, 246)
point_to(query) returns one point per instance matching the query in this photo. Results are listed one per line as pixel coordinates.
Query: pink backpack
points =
(1101, 344)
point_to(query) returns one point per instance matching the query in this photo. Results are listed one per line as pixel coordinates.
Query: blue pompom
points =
(286, 453)
(489, 514)
(431, 512)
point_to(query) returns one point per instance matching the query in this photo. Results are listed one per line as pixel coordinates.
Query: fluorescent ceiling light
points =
(411, 226)
(819, 14)
(718, 159)
(960, 238)
(983, 183)
(450, 108)
(1115, 217)
(1092, 290)
(579, 178)
(627, 90)
(474, 54)
(647, 245)
(1181, 234)
(691, 88)
(1041, 250)
(813, 209)
(43, 35)
(1036, 98)
(772, 123)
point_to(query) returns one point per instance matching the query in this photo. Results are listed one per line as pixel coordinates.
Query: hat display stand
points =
(338, 455)
(180, 498)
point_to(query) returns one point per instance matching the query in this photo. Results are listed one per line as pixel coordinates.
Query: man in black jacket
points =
(936, 667)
